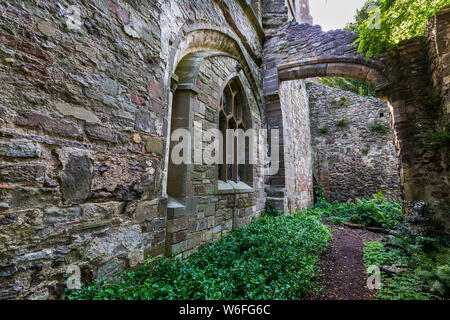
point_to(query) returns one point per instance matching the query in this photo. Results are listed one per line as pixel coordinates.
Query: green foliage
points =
(361, 16)
(376, 212)
(404, 287)
(342, 101)
(380, 127)
(319, 195)
(347, 84)
(324, 130)
(432, 99)
(342, 123)
(414, 247)
(374, 254)
(439, 139)
(271, 210)
(272, 258)
(398, 20)
(427, 275)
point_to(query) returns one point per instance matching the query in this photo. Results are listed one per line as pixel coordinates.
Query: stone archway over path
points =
(298, 51)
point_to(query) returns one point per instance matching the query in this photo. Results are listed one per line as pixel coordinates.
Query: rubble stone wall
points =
(353, 160)
(85, 102)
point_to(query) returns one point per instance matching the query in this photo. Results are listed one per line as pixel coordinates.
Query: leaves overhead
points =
(382, 24)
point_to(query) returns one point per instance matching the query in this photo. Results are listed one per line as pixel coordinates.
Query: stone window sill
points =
(174, 203)
(175, 209)
(232, 187)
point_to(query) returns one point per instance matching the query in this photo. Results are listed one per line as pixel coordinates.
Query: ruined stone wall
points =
(299, 11)
(299, 51)
(353, 160)
(84, 118)
(297, 145)
(438, 43)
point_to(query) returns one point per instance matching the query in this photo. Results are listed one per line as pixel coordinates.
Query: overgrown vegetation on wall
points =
(391, 22)
(380, 127)
(352, 142)
(414, 261)
(356, 86)
(272, 258)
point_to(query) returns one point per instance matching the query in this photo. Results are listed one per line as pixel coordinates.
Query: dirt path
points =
(342, 267)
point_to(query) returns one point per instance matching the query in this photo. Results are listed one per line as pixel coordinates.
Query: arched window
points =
(233, 115)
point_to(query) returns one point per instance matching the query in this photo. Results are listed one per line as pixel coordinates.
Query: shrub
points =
(380, 127)
(342, 123)
(417, 247)
(439, 139)
(375, 212)
(432, 99)
(272, 258)
(394, 21)
(270, 210)
(324, 130)
(342, 101)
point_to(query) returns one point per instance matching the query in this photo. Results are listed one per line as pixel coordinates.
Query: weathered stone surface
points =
(354, 161)
(4, 206)
(56, 215)
(8, 270)
(49, 125)
(101, 211)
(33, 172)
(76, 178)
(20, 149)
(3, 111)
(110, 268)
(105, 134)
(154, 145)
(77, 112)
(47, 29)
(297, 140)
(148, 122)
(8, 219)
(95, 197)
(9, 290)
(129, 244)
(146, 211)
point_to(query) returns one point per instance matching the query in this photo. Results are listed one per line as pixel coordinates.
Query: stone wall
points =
(299, 11)
(353, 160)
(297, 145)
(91, 91)
(438, 43)
(298, 51)
(84, 124)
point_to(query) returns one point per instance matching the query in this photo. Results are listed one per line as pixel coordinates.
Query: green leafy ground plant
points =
(272, 258)
(375, 212)
(426, 276)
